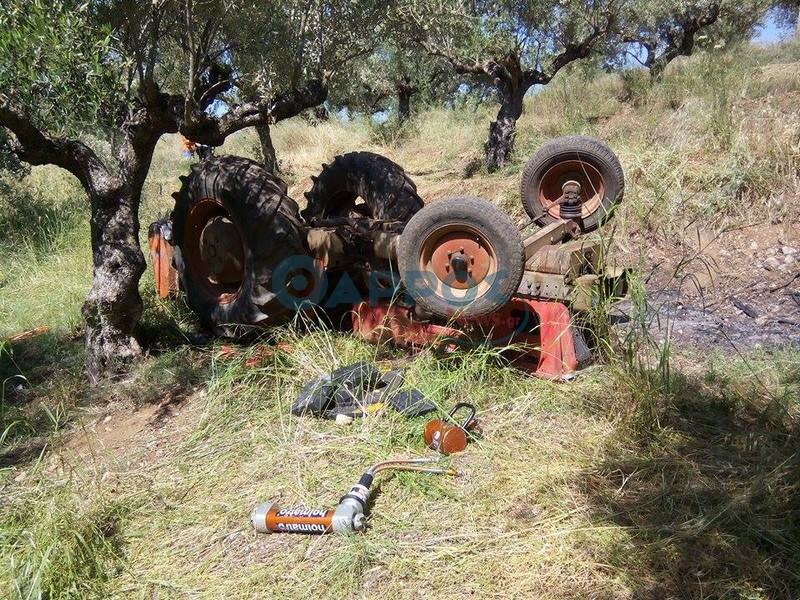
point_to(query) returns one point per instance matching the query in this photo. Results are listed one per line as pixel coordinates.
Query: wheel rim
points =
(551, 186)
(461, 261)
(215, 250)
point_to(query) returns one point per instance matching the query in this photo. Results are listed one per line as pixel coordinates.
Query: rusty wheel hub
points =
(460, 257)
(215, 250)
(221, 250)
(571, 189)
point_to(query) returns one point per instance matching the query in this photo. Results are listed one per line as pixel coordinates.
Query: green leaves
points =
(56, 64)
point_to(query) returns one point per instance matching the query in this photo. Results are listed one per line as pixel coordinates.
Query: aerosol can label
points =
(299, 520)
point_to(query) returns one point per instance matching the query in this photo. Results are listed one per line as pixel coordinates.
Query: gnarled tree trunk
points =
(267, 148)
(114, 306)
(405, 90)
(403, 105)
(503, 131)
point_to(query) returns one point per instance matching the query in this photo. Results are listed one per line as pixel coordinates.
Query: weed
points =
(53, 546)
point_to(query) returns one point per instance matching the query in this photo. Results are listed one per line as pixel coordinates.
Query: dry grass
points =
(659, 478)
(562, 498)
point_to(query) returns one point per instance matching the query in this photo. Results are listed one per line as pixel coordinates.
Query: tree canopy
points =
(511, 45)
(661, 32)
(133, 71)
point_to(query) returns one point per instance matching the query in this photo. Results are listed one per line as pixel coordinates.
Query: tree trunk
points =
(657, 70)
(405, 90)
(321, 114)
(403, 105)
(797, 24)
(114, 306)
(267, 149)
(503, 131)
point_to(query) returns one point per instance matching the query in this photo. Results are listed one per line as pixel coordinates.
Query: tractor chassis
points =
(537, 327)
(447, 274)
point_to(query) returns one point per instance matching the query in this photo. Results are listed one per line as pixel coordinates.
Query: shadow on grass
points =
(710, 497)
(40, 376)
(44, 388)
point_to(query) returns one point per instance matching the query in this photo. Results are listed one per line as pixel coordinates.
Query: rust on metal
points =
(571, 177)
(161, 252)
(214, 247)
(221, 250)
(460, 257)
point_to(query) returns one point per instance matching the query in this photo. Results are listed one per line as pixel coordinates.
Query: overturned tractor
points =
(371, 254)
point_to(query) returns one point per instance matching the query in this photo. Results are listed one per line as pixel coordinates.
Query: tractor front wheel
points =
(575, 178)
(461, 257)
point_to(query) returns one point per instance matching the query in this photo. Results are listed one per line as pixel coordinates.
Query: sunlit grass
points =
(659, 473)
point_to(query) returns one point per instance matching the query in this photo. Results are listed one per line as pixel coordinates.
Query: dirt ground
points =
(728, 290)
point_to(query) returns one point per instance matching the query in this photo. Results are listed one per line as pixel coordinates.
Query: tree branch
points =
(191, 79)
(207, 129)
(36, 147)
(572, 51)
(677, 41)
(461, 67)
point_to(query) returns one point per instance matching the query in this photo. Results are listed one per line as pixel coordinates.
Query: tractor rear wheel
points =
(461, 257)
(234, 228)
(575, 178)
(387, 191)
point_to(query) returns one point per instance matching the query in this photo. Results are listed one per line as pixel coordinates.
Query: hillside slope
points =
(669, 470)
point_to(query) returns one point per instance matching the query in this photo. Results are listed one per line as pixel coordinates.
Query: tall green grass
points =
(45, 260)
(55, 545)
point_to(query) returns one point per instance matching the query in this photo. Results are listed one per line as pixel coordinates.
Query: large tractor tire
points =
(461, 257)
(235, 231)
(387, 191)
(587, 162)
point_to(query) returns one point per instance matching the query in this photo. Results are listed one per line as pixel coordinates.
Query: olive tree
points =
(131, 72)
(390, 77)
(280, 46)
(787, 13)
(663, 31)
(512, 45)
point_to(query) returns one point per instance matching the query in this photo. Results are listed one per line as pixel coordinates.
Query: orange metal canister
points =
(161, 252)
(450, 437)
(268, 518)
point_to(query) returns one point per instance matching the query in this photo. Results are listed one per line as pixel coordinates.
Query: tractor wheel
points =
(388, 193)
(577, 178)
(461, 256)
(235, 231)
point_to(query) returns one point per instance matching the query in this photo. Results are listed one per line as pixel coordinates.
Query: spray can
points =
(348, 516)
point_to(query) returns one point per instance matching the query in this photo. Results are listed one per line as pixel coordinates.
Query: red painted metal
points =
(538, 333)
(165, 274)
